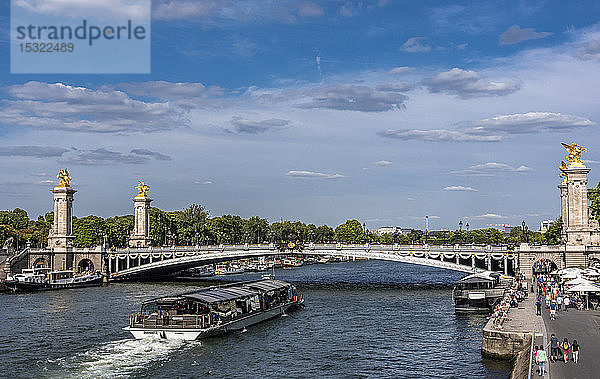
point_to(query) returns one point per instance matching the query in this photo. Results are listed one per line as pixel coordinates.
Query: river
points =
(364, 319)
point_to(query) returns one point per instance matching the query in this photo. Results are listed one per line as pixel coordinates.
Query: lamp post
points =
(460, 225)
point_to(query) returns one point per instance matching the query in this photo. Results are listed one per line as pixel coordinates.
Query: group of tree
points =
(193, 226)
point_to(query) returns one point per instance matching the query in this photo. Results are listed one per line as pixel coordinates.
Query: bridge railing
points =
(314, 246)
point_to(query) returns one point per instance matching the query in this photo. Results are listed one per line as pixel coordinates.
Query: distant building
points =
(392, 230)
(546, 225)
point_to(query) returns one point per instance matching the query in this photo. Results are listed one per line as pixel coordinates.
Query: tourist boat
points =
(41, 279)
(292, 262)
(479, 292)
(214, 310)
(228, 270)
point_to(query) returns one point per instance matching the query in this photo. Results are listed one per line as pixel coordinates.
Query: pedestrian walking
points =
(553, 348)
(541, 358)
(538, 307)
(552, 310)
(559, 301)
(575, 349)
(565, 346)
(567, 302)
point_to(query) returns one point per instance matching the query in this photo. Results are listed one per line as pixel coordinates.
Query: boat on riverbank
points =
(479, 292)
(43, 279)
(214, 310)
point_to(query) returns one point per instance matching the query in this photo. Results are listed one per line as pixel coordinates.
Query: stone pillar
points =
(577, 201)
(60, 237)
(140, 236)
(576, 229)
(564, 210)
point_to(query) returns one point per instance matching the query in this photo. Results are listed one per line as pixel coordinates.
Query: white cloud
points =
(467, 84)
(313, 174)
(490, 215)
(165, 90)
(531, 122)
(354, 98)
(32, 151)
(242, 125)
(415, 45)
(130, 9)
(436, 135)
(383, 163)
(490, 169)
(104, 156)
(394, 87)
(460, 188)
(400, 70)
(65, 107)
(515, 34)
(213, 11)
(496, 128)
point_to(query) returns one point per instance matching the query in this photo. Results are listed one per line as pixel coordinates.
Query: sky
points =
(320, 111)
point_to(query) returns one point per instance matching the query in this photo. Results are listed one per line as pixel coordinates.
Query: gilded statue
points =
(574, 153)
(143, 189)
(65, 179)
(563, 166)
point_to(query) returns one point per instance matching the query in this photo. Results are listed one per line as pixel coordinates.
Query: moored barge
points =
(44, 279)
(214, 310)
(479, 292)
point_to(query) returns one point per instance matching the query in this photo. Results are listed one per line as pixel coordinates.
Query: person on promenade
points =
(575, 349)
(552, 310)
(538, 307)
(565, 346)
(541, 358)
(553, 348)
(559, 301)
(567, 302)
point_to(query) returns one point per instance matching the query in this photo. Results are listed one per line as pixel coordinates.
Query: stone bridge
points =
(152, 262)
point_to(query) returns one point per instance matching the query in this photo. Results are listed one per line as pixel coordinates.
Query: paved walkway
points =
(584, 326)
(523, 319)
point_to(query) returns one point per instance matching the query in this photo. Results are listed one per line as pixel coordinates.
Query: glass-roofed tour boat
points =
(479, 292)
(213, 310)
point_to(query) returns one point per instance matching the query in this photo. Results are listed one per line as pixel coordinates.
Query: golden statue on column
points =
(143, 189)
(65, 179)
(574, 157)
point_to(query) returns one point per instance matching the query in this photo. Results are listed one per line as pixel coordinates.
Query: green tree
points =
(257, 229)
(594, 198)
(324, 234)
(161, 228)
(350, 232)
(117, 230)
(88, 231)
(190, 224)
(552, 235)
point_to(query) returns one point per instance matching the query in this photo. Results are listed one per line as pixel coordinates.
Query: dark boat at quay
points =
(479, 292)
(44, 279)
(214, 310)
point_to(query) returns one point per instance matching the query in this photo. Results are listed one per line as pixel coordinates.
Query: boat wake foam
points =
(123, 358)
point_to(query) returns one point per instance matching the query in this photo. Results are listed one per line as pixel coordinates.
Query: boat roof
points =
(228, 292)
(486, 276)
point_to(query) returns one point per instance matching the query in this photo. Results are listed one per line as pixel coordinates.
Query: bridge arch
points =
(152, 263)
(543, 265)
(85, 265)
(40, 263)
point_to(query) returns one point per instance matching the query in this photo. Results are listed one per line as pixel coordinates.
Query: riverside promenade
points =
(584, 326)
(513, 341)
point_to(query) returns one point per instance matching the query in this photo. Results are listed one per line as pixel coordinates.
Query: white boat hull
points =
(191, 334)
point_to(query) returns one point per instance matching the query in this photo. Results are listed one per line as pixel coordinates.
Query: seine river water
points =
(364, 319)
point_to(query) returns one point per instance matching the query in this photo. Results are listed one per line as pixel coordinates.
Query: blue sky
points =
(384, 111)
